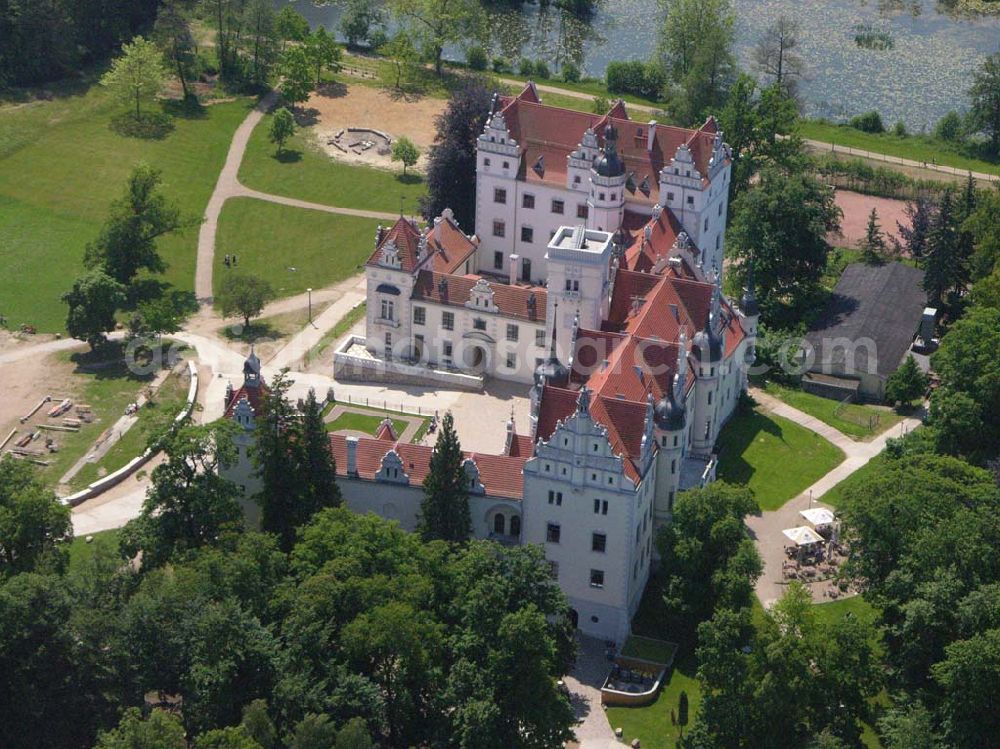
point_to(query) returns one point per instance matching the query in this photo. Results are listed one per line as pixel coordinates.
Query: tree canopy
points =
(444, 510)
(137, 75)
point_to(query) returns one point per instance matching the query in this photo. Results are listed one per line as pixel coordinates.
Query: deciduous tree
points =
(161, 730)
(93, 301)
(437, 23)
(34, 526)
(403, 149)
(775, 56)
(243, 295)
(298, 75)
(172, 33)
(282, 128)
(137, 75)
(985, 96)
(451, 167)
(323, 52)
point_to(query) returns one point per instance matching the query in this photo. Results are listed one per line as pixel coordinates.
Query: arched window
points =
(499, 524)
(515, 526)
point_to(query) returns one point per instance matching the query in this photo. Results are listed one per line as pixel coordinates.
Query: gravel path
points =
(766, 528)
(228, 186)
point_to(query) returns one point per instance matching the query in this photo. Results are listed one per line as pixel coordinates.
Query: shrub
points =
(542, 70)
(526, 67)
(644, 79)
(869, 122)
(476, 57)
(601, 105)
(570, 73)
(899, 129)
(950, 127)
(500, 65)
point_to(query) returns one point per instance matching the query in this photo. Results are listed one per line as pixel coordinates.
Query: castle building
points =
(595, 279)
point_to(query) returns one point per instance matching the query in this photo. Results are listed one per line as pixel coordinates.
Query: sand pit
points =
(337, 108)
(857, 207)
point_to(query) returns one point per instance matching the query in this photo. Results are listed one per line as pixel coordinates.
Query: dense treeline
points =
(42, 40)
(328, 630)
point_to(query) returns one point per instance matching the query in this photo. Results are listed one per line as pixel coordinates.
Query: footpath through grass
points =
(271, 240)
(60, 167)
(775, 457)
(853, 419)
(303, 171)
(920, 148)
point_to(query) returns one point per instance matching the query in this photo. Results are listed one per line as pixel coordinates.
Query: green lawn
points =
(835, 497)
(166, 404)
(331, 336)
(60, 167)
(914, 147)
(271, 239)
(853, 420)
(306, 173)
(775, 457)
(367, 423)
(649, 649)
(80, 551)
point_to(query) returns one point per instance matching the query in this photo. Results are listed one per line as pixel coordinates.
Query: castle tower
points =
(606, 204)
(670, 420)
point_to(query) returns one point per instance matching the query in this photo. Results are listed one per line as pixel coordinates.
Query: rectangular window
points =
(448, 320)
(555, 498)
(447, 350)
(527, 234)
(527, 200)
(419, 316)
(690, 200)
(582, 211)
(597, 578)
(540, 338)
(600, 507)
(512, 332)
(486, 162)
(498, 261)
(670, 196)
(558, 206)
(511, 361)
(598, 542)
(499, 229)
(479, 323)
(552, 533)
(388, 308)
(499, 195)
(554, 569)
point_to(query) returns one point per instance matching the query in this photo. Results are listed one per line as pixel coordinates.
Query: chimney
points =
(651, 135)
(514, 257)
(352, 456)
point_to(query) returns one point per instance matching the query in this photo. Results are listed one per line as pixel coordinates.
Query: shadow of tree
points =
(740, 433)
(409, 178)
(305, 117)
(147, 126)
(332, 90)
(189, 109)
(287, 156)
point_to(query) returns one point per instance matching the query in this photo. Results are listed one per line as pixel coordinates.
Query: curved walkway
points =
(228, 186)
(766, 528)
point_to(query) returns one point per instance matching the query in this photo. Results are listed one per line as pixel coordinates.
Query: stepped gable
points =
(554, 132)
(500, 475)
(511, 301)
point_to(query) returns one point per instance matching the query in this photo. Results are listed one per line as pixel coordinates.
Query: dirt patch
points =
(336, 107)
(857, 207)
(26, 382)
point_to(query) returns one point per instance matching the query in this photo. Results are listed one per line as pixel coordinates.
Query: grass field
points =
(649, 649)
(915, 147)
(853, 420)
(166, 404)
(367, 423)
(60, 167)
(271, 239)
(775, 457)
(835, 497)
(306, 173)
(80, 551)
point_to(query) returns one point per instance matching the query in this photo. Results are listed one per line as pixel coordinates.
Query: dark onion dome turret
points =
(610, 164)
(251, 367)
(707, 344)
(668, 414)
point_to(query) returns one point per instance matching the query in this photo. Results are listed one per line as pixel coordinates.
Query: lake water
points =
(923, 76)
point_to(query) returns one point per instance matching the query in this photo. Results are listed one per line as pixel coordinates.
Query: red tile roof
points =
(255, 396)
(386, 432)
(635, 355)
(447, 246)
(521, 446)
(512, 301)
(501, 475)
(554, 132)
